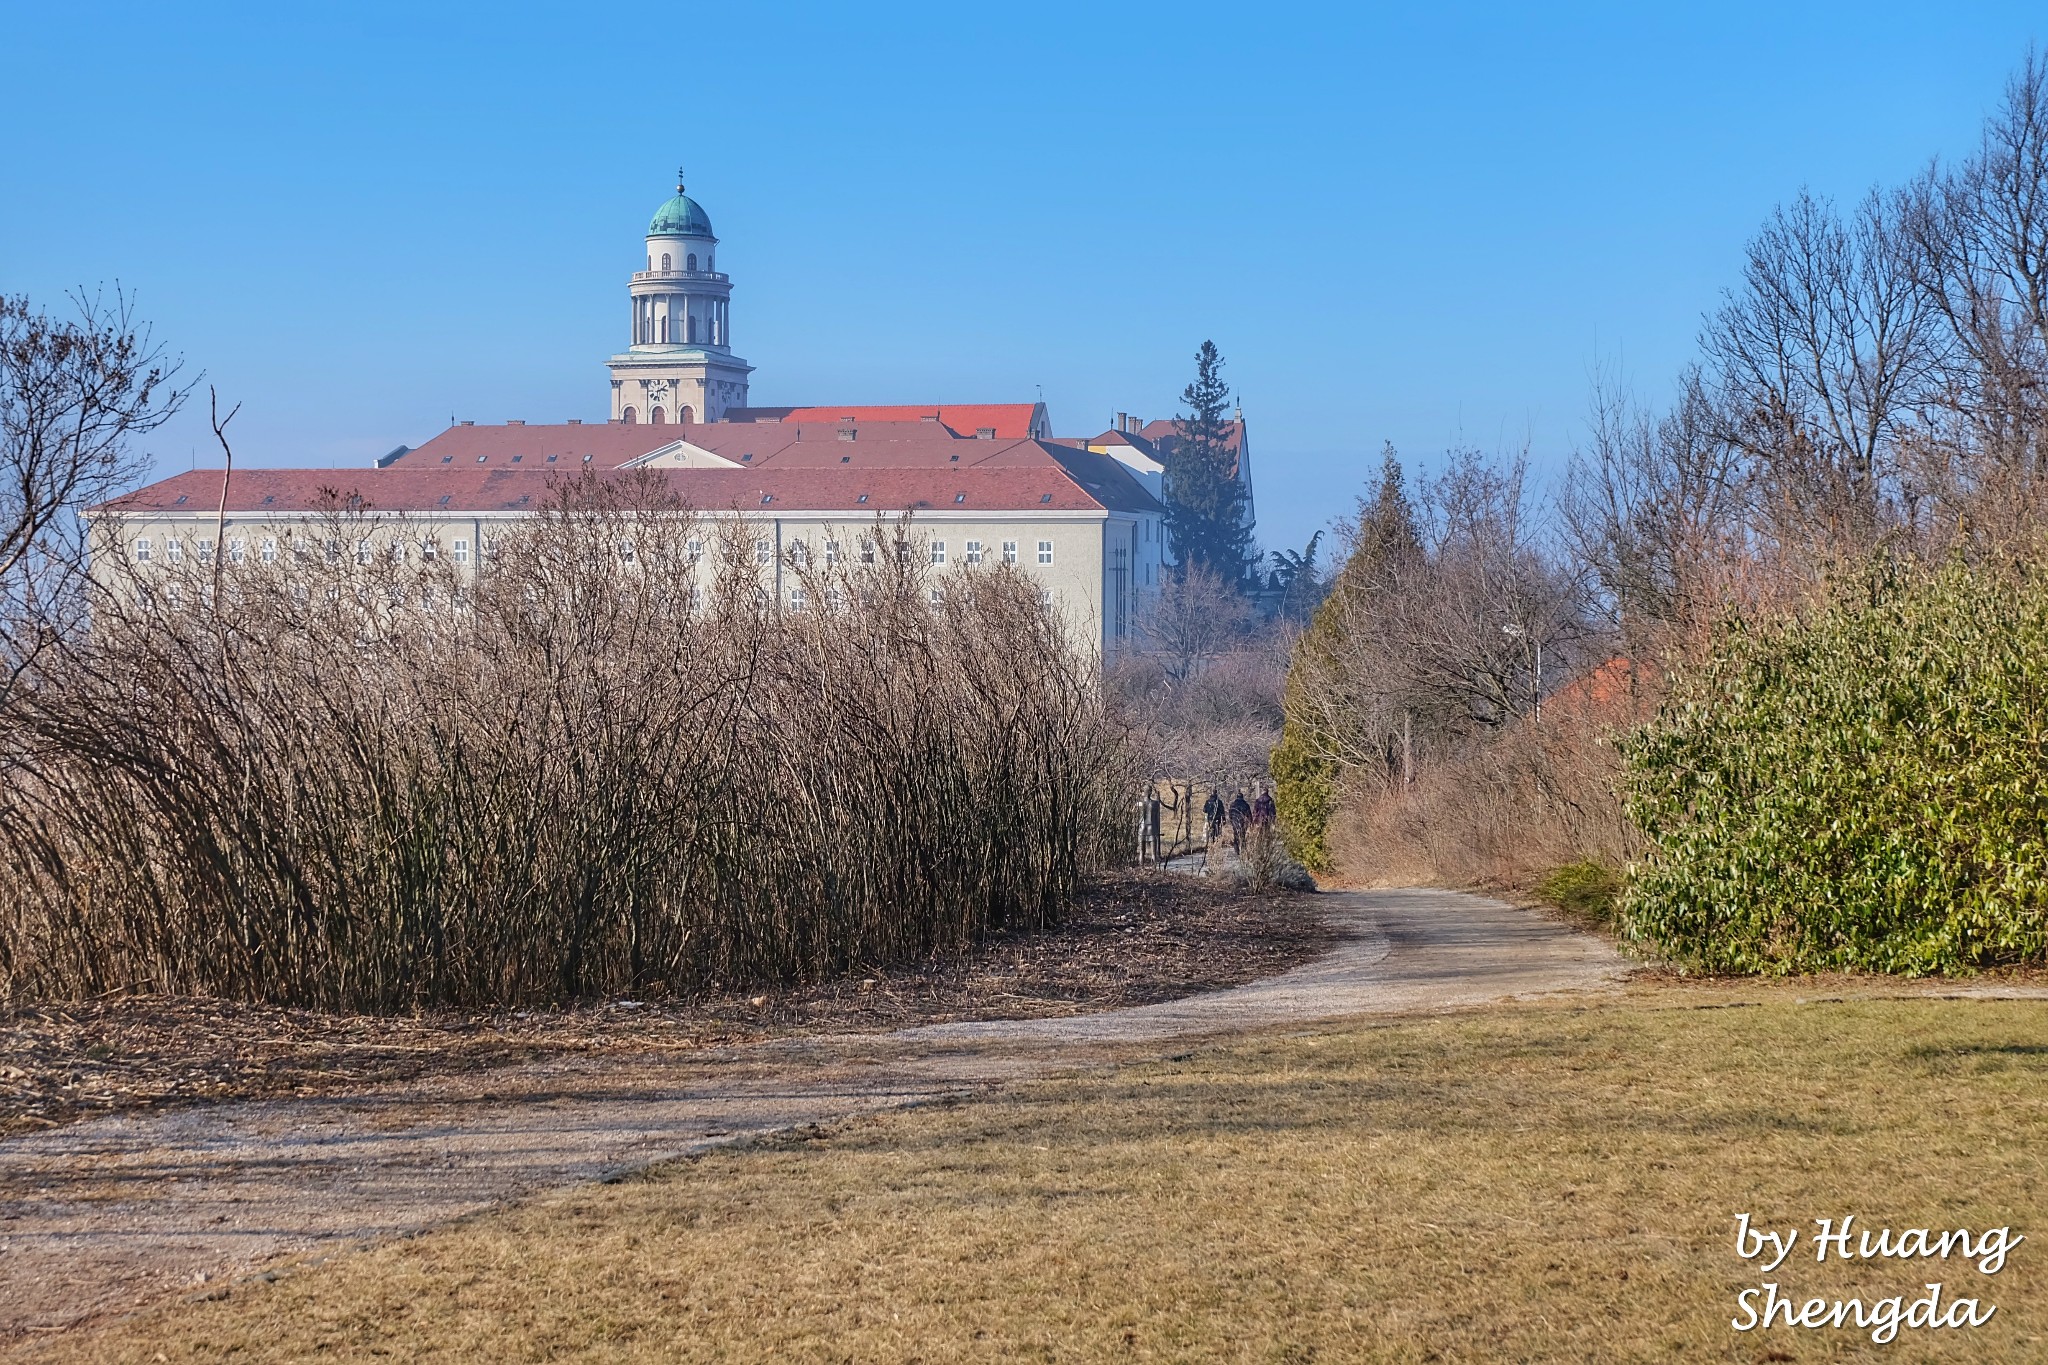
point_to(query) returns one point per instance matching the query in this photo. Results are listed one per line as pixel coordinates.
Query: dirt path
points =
(102, 1216)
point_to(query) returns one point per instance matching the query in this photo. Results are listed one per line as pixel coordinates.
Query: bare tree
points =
(1981, 233)
(1197, 617)
(1657, 510)
(1821, 356)
(73, 396)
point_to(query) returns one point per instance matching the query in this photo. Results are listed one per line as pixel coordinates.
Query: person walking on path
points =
(1240, 816)
(1264, 812)
(1212, 811)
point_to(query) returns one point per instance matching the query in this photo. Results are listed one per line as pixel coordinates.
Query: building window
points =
(656, 416)
(974, 552)
(797, 599)
(462, 552)
(695, 549)
(172, 597)
(1009, 552)
(938, 552)
(867, 550)
(205, 549)
(1045, 597)
(174, 549)
(696, 598)
(628, 417)
(799, 553)
(690, 330)
(831, 553)
(664, 260)
(430, 550)
(365, 552)
(237, 551)
(142, 550)
(1045, 552)
(938, 597)
(627, 554)
(834, 598)
(690, 261)
(764, 553)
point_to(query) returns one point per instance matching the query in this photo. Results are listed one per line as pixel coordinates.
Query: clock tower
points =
(679, 365)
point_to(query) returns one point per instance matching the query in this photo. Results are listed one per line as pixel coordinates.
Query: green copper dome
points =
(680, 217)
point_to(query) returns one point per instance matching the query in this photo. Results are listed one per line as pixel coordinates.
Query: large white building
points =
(983, 483)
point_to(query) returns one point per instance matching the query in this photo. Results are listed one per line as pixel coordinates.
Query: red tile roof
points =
(1061, 485)
(1014, 420)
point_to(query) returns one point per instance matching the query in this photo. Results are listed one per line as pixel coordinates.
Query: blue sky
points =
(1421, 224)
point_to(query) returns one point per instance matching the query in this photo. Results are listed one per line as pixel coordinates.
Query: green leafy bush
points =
(1866, 790)
(1305, 790)
(1587, 889)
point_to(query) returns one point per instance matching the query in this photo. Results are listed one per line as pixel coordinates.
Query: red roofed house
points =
(985, 483)
(1145, 448)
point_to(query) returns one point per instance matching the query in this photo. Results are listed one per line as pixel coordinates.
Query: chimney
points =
(1120, 422)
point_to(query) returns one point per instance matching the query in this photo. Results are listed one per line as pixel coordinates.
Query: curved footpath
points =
(102, 1216)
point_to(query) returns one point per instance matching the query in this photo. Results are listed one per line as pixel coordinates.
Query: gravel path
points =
(102, 1216)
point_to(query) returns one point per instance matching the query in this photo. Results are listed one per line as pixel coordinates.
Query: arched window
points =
(684, 415)
(709, 257)
(664, 260)
(664, 329)
(693, 329)
(654, 416)
(691, 259)
(628, 417)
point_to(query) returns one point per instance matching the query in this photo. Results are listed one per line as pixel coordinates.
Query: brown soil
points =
(1135, 939)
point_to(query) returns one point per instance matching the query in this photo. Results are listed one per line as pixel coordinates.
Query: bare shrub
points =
(606, 762)
(1505, 808)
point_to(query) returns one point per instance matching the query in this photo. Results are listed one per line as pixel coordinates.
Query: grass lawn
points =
(1538, 1183)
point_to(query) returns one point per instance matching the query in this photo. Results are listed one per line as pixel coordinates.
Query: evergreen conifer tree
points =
(1205, 521)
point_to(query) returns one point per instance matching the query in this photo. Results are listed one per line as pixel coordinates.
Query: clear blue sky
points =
(1416, 223)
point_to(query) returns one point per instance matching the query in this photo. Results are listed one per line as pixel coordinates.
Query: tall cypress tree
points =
(1205, 521)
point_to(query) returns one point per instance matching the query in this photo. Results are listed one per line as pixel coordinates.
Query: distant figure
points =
(1212, 810)
(1263, 810)
(1240, 816)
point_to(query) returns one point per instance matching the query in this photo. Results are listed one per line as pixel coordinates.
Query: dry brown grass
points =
(1503, 810)
(1544, 1183)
